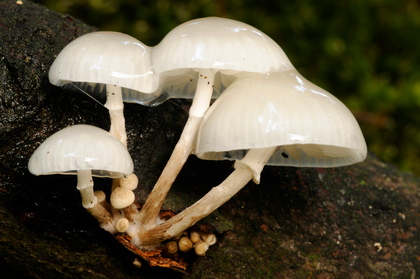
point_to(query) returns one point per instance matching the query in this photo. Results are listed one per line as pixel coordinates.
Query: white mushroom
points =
(122, 197)
(308, 126)
(201, 248)
(100, 195)
(122, 225)
(198, 50)
(185, 244)
(195, 237)
(280, 118)
(84, 151)
(129, 182)
(112, 65)
(172, 247)
(210, 238)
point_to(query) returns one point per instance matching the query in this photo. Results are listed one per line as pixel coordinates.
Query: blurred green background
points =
(364, 52)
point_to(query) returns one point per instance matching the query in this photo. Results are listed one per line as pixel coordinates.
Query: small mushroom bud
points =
(195, 237)
(122, 197)
(100, 195)
(129, 182)
(201, 248)
(210, 238)
(172, 247)
(137, 263)
(185, 244)
(122, 225)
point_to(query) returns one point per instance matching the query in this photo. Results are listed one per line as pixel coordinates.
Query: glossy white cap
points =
(311, 127)
(107, 58)
(81, 147)
(220, 44)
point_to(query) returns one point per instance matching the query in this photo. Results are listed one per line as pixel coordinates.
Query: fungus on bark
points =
(211, 52)
(108, 65)
(85, 151)
(279, 119)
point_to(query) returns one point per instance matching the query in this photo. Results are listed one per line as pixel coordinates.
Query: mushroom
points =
(185, 244)
(122, 197)
(122, 225)
(85, 151)
(201, 248)
(210, 238)
(112, 65)
(308, 126)
(200, 50)
(195, 237)
(100, 195)
(129, 182)
(280, 119)
(172, 247)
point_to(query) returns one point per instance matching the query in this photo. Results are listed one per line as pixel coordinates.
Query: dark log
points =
(360, 221)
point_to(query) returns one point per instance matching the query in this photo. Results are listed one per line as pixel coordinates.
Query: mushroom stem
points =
(201, 101)
(114, 103)
(246, 169)
(151, 208)
(103, 216)
(90, 201)
(203, 93)
(85, 186)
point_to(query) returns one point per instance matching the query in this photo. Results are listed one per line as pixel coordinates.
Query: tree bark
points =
(360, 221)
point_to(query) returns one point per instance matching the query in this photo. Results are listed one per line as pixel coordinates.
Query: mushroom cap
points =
(100, 195)
(122, 197)
(130, 182)
(185, 244)
(122, 225)
(201, 248)
(100, 58)
(310, 126)
(221, 44)
(81, 147)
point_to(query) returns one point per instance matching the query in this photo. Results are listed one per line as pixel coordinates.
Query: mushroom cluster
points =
(85, 151)
(265, 112)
